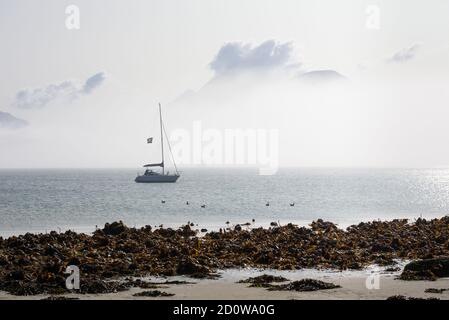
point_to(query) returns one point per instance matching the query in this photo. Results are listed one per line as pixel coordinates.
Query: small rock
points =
(114, 228)
(427, 269)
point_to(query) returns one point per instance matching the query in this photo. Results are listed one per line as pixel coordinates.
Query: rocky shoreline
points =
(108, 259)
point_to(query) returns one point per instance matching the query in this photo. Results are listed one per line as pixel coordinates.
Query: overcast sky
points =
(89, 96)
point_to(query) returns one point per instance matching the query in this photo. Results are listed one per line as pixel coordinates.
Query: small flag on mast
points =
(150, 140)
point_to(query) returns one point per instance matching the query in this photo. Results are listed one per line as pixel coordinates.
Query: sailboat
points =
(151, 176)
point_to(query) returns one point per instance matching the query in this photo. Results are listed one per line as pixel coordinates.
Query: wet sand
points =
(353, 287)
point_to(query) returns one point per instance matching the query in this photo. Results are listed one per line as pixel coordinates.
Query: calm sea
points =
(44, 200)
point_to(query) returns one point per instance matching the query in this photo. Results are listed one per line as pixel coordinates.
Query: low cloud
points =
(405, 54)
(236, 67)
(93, 82)
(236, 56)
(66, 90)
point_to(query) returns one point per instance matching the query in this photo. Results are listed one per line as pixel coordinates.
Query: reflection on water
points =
(39, 200)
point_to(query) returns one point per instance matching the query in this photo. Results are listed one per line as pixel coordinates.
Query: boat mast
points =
(162, 138)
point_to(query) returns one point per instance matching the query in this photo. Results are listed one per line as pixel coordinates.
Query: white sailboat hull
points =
(157, 178)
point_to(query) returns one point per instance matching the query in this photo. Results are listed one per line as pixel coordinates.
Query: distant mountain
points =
(321, 76)
(237, 85)
(8, 121)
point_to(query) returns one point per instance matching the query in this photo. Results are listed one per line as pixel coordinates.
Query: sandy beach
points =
(353, 287)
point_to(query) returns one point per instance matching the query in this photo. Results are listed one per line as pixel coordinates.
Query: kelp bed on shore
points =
(35, 263)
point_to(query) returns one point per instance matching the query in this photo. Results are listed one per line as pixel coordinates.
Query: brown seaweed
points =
(35, 263)
(304, 285)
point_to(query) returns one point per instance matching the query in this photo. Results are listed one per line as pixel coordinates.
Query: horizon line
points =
(224, 167)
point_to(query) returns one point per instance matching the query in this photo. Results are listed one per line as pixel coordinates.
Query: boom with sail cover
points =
(154, 165)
